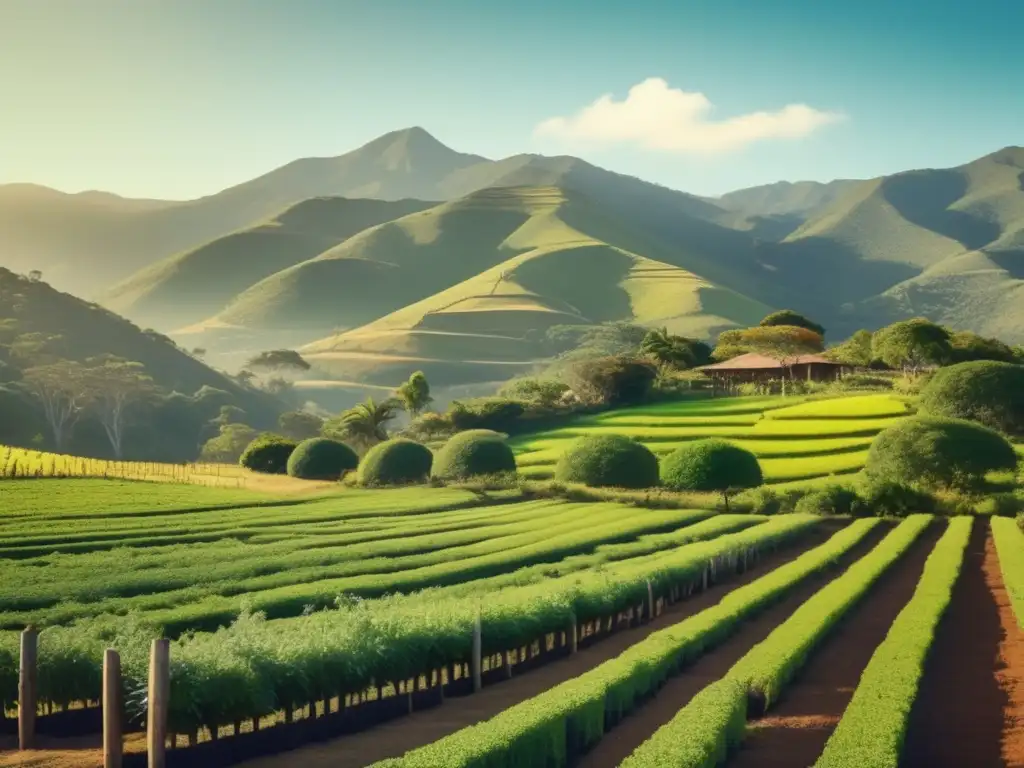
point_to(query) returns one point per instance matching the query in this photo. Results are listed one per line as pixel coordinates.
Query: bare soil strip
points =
(794, 733)
(970, 708)
(397, 737)
(677, 692)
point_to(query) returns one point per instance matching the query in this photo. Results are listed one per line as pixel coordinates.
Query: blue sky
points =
(180, 98)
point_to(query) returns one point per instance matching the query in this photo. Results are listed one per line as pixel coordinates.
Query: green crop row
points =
(707, 725)
(873, 727)
(769, 666)
(546, 729)
(701, 735)
(255, 667)
(91, 577)
(1009, 541)
(288, 591)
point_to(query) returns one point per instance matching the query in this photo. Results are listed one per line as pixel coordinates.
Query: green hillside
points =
(193, 285)
(529, 258)
(88, 330)
(942, 243)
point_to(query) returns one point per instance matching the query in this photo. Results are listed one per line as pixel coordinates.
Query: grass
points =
(874, 724)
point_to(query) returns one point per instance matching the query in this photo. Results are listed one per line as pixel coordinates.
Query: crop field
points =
(522, 630)
(795, 440)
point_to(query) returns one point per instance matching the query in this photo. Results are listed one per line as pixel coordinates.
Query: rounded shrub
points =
(472, 454)
(932, 453)
(760, 501)
(396, 462)
(321, 458)
(985, 391)
(608, 461)
(268, 453)
(711, 465)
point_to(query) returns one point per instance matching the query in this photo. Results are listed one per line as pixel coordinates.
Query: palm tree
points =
(366, 422)
(674, 351)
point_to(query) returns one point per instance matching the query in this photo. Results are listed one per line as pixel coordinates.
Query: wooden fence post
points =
(650, 602)
(573, 634)
(113, 711)
(159, 693)
(27, 690)
(477, 650)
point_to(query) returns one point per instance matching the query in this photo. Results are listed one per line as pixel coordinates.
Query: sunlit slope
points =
(547, 270)
(942, 243)
(193, 285)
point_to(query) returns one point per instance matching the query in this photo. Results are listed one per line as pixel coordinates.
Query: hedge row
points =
(874, 725)
(708, 721)
(544, 730)
(1009, 542)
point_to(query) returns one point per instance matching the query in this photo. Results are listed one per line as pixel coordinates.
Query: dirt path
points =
(678, 691)
(794, 733)
(970, 708)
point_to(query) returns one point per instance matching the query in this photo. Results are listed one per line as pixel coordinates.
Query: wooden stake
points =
(159, 693)
(508, 664)
(113, 746)
(573, 639)
(650, 602)
(27, 690)
(477, 649)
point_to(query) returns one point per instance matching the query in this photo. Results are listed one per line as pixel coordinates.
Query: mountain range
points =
(405, 254)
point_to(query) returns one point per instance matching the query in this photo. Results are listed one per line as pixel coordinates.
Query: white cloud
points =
(655, 116)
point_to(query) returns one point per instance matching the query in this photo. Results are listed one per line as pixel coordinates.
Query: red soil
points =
(794, 733)
(395, 738)
(678, 691)
(970, 708)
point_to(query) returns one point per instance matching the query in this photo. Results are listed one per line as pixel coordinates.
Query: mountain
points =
(944, 243)
(475, 283)
(88, 242)
(198, 283)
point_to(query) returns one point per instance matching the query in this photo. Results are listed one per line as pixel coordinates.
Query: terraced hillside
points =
(474, 283)
(794, 441)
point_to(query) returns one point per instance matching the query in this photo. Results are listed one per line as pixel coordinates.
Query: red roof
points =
(753, 361)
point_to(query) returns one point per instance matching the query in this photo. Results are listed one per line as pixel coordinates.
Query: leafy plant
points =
(268, 453)
(396, 462)
(608, 461)
(472, 454)
(321, 458)
(712, 466)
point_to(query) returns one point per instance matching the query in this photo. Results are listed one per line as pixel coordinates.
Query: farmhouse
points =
(755, 367)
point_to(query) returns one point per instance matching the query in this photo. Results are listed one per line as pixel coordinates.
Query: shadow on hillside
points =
(1011, 261)
(924, 197)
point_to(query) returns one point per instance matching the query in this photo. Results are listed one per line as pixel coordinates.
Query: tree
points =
(544, 392)
(35, 276)
(856, 350)
(300, 425)
(199, 352)
(967, 346)
(790, 318)
(785, 343)
(1018, 355)
(245, 377)
(612, 380)
(227, 447)
(675, 351)
(608, 461)
(911, 345)
(365, 423)
(711, 466)
(114, 385)
(415, 393)
(277, 359)
(62, 388)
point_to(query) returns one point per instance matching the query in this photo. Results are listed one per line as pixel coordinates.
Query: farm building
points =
(755, 367)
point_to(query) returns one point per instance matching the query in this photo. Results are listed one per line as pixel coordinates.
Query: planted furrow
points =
(707, 726)
(873, 726)
(969, 708)
(564, 721)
